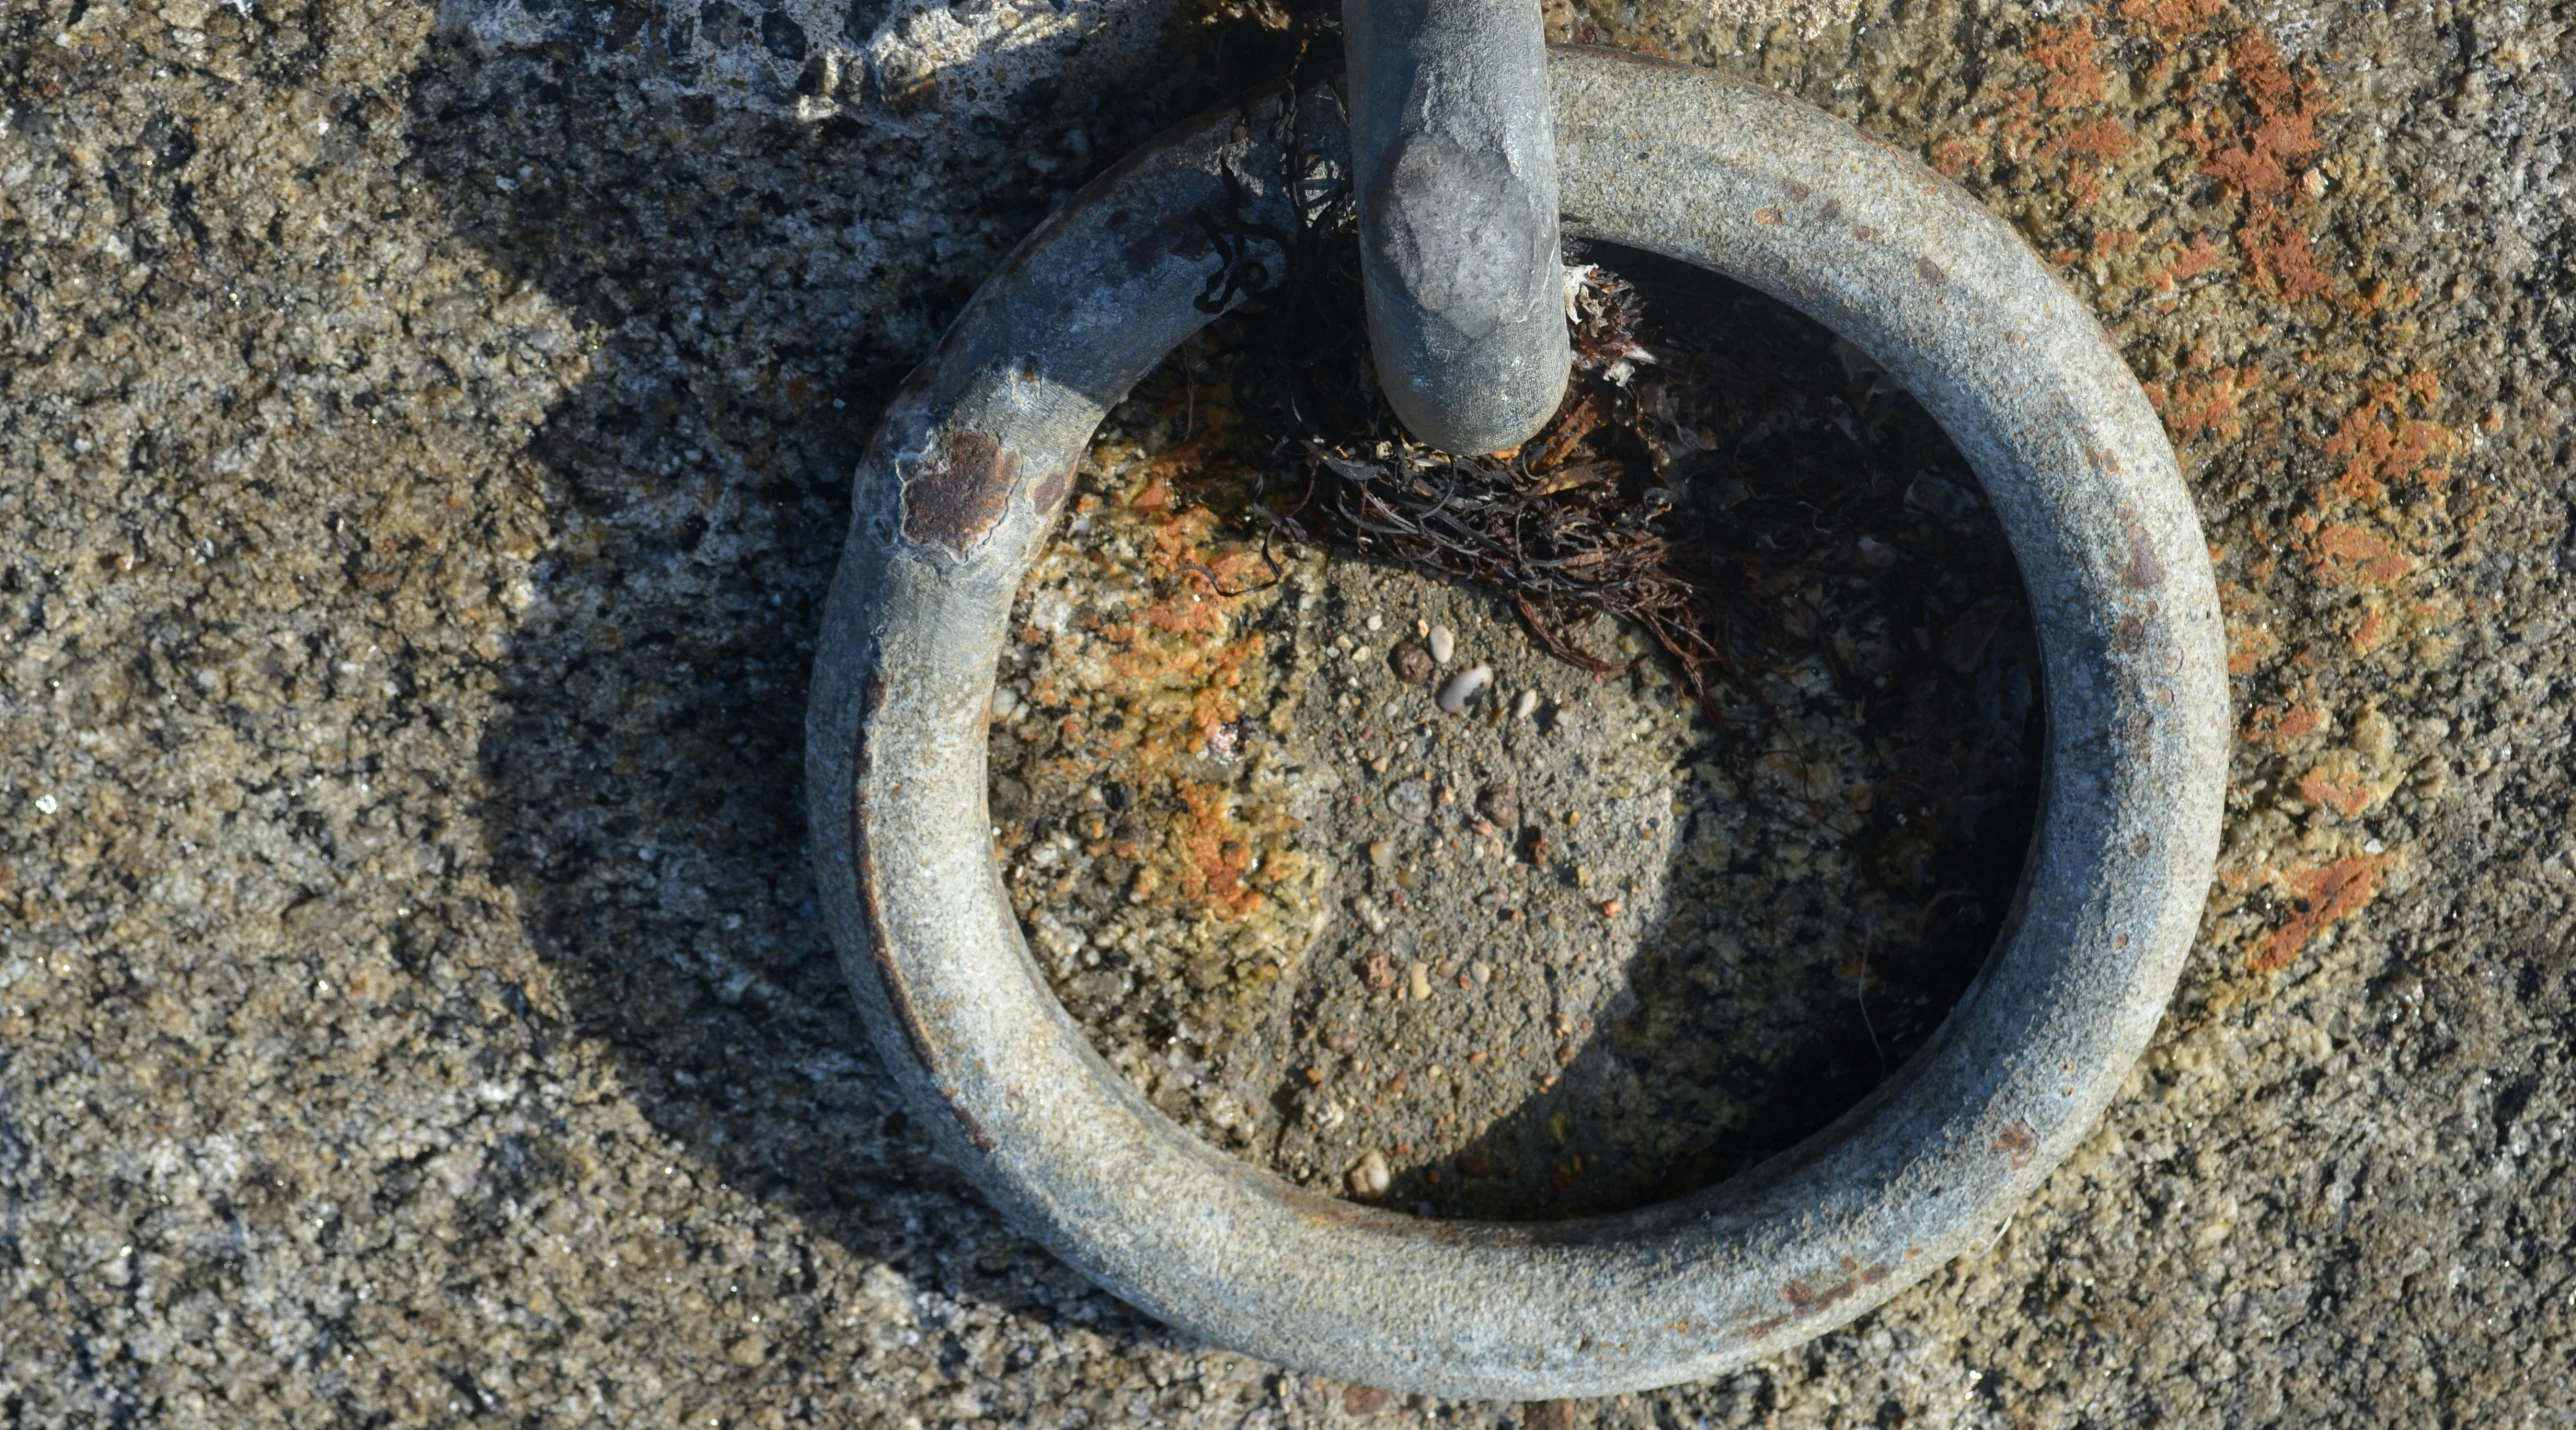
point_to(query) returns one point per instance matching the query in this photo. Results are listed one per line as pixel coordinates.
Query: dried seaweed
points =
(1714, 456)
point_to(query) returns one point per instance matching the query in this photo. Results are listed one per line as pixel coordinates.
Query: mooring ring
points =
(976, 457)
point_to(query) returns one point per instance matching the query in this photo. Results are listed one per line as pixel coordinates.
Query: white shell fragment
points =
(1460, 691)
(1526, 706)
(1444, 644)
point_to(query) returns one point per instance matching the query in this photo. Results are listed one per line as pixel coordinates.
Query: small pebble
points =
(1370, 1178)
(1382, 852)
(1526, 705)
(1421, 980)
(1610, 908)
(1444, 644)
(1410, 798)
(1376, 621)
(1411, 663)
(1461, 689)
(1376, 921)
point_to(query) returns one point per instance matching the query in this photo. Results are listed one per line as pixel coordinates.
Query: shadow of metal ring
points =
(974, 460)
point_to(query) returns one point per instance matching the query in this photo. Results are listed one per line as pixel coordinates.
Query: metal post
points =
(1455, 167)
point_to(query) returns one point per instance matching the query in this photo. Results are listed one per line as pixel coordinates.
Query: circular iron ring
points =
(976, 457)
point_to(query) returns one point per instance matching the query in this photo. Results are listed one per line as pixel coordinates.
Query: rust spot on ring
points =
(2018, 1140)
(1051, 493)
(956, 493)
(1808, 1300)
(2143, 572)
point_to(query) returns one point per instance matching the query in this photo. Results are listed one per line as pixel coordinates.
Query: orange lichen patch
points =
(2195, 407)
(2321, 897)
(2379, 444)
(1154, 670)
(2171, 20)
(2277, 727)
(2372, 629)
(2283, 259)
(2348, 554)
(2248, 642)
(1212, 851)
(2104, 140)
(2199, 256)
(2247, 648)
(2339, 784)
(2070, 54)
(2262, 156)
(2187, 261)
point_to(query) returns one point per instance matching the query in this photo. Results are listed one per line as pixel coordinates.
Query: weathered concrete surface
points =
(422, 458)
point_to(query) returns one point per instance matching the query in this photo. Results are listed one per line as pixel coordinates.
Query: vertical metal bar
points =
(1455, 166)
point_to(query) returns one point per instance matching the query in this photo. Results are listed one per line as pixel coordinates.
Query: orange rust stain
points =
(2325, 896)
(1810, 1299)
(956, 492)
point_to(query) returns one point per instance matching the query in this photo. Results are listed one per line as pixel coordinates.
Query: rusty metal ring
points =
(961, 485)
